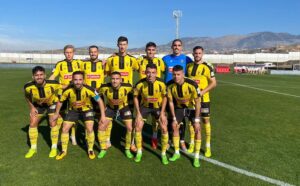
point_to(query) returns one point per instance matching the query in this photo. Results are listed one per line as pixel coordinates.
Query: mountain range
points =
(226, 44)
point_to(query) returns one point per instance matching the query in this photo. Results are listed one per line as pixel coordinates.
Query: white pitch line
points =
(261, 89)
(242, 171)
(236, 169)
(232, 168)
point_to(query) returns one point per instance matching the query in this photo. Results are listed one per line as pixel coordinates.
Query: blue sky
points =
(34, 24)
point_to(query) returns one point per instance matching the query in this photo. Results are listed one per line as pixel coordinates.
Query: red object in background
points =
(223, 69)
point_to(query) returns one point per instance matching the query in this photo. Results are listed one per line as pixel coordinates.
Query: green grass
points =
(253, 130)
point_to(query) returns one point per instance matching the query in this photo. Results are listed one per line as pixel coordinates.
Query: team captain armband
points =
(97, 97)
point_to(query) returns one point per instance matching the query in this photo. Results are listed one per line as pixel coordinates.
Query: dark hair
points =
(37, 68)
(175, 40)
(78, 73)
(150, 44)
(115, 72)
(122, 38)
(177, 68)
(93, 46)
(198, 47)
(69, 46)
(152, 66)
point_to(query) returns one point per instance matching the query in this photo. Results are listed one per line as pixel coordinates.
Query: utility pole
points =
(177, 14)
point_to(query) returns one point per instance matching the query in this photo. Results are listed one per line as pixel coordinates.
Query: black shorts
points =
(46, 109)
(125, 113)
(74, 116)
(152, 111)
(95, 106)
(182, 113)
(64, 108)
(205, 109)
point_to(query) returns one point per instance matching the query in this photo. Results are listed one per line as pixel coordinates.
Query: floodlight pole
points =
(177, 14)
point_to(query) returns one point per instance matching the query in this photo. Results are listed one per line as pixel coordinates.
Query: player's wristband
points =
(174, 119)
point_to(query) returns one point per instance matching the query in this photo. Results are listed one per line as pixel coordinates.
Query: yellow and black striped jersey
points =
(123, 64)
(44, 95)
(116, 98)
(93, 73)
(201, 73)
(79, 99)
(152, 94)
(144, 61)
(65, 69)
(183, 95)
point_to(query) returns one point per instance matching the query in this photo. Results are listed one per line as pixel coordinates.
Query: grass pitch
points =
(254, 130)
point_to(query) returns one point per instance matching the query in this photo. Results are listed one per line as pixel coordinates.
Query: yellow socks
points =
(54, 136)
(33, 136)
(102, 139)
(164, 142)
(128, 140)
(176, 143)
(207, 134)
(192, 133)
(197, 148)
(138, 140)
(90, 140)
(108, 131)
(64, 141)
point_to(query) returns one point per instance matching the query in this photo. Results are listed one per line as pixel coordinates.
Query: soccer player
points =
(203, 74)
(153, 93)
(64, 70)
(184, 101)
(93, 69)
(79, 97)
(160, 65)
(176, 58)
(125, 64)
(122, 62)
(116, 94)
(41, 96)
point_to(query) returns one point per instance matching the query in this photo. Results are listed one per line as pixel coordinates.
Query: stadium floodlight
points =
(177, 14)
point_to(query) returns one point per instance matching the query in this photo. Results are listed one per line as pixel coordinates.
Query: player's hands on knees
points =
(54, 117)
(163, 119)
(138, 119)
(175, 123)
(103, 121)
(33, 112)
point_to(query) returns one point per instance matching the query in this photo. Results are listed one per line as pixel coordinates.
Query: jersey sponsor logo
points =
(151, 99)
(197, 81)
(93, 76)
(78, 104)
(170, 69)
(43, 100)
(68, 76)
(116, 101)
(182, 100)
(124, 73)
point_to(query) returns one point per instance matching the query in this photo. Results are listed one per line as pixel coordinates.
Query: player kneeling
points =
(79, 97)
(153, 93)
(41, 96)
(184, 101)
